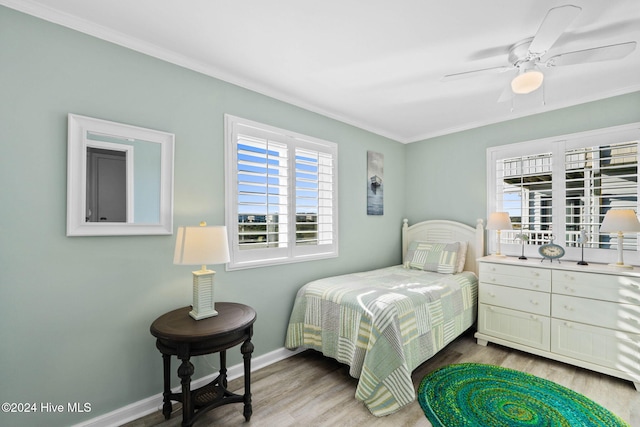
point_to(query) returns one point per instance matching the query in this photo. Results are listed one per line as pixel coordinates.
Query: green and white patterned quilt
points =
(383, 324)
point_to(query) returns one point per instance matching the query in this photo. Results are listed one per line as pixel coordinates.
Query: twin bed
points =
(384, 323)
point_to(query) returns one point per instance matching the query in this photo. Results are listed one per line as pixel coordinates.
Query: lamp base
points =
(500, 255)
(202, 315)
(203, 304)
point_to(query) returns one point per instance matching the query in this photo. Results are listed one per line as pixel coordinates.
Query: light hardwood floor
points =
(311, 390)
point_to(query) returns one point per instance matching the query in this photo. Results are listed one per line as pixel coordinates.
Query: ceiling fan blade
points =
(463, 75)
(596, 54)
(553, 25)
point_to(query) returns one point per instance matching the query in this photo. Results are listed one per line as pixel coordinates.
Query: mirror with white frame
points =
(119, 179)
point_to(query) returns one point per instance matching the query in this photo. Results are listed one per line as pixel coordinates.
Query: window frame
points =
(261, 257)
(558, 146)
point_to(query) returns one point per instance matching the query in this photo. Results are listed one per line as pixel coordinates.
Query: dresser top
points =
(563, 265)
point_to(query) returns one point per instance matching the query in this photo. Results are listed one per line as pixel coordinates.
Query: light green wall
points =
(446, 176)
(75, 311)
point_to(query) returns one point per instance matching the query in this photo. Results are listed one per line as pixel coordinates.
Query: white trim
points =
(152, 404)
(110, 35)
(543, 108)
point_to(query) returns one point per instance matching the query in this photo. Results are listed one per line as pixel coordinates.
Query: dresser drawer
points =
(615, 316)
(515, 326)
(538, 279)
(516, 299)
(605, 347)
(606, 287)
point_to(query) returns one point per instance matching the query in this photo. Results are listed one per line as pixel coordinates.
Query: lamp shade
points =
(499, 221)
(201, 245)
(624, 220)
(527, 82)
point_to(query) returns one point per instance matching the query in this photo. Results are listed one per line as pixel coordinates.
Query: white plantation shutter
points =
(315, 201)
(524, 189)
(281, 194)
(599, 178)
(262, 188)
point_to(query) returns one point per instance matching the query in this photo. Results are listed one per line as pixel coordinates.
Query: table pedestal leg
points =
(185, 371)
(222, 379)
(166, 407)
(247, 349)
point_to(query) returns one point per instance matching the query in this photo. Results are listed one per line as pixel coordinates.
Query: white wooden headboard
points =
(441, 231)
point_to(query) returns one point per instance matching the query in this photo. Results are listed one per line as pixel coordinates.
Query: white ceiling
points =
(375, 64)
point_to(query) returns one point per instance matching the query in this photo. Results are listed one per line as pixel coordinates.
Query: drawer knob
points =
(568, 276)
(568, 307)
(569, 289)
(534, 302)
(567, 324)
(491, 294)
(534, 317)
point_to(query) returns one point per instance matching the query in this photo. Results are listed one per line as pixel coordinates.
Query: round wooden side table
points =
(178, 334)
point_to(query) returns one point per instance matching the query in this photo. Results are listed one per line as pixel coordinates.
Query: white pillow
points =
(462, 256)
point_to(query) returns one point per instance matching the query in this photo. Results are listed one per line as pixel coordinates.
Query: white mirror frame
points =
(78, 128)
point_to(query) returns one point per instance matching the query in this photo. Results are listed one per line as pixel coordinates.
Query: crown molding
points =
(46, 13)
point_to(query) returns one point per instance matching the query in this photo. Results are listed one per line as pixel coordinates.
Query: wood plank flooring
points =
(309, 389)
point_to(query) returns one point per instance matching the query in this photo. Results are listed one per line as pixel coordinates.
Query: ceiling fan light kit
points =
(529, 55)
(527, 82)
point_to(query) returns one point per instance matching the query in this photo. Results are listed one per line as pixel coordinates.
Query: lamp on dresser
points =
(499, 221)
(620, 221)
(200, 246)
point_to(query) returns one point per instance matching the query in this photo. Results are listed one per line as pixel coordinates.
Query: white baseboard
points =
(152, 404)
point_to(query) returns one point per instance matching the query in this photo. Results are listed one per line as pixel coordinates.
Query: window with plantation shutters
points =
(561, 188)
(281, 195)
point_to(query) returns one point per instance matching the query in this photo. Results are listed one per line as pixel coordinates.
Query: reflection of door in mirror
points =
(106, 185)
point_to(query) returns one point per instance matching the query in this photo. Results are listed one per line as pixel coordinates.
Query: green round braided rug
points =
(472, 394)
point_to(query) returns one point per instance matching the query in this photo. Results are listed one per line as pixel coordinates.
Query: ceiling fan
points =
(526, 56)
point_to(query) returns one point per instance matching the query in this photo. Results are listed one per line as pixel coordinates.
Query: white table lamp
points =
(200, 246)
(499, 221)
(620, 221)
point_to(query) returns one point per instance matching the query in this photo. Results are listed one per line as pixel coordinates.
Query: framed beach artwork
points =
(375, 183)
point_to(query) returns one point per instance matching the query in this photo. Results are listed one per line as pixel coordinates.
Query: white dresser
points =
(588, 316)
